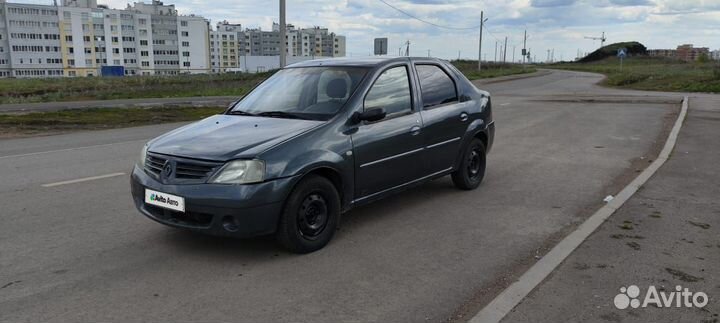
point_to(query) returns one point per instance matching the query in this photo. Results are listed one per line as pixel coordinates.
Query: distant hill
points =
(633, 48)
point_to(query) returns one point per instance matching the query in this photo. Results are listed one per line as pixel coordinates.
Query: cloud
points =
(552, 3)
(551, 24)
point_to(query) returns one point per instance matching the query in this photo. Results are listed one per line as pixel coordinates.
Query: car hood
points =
(225, 137)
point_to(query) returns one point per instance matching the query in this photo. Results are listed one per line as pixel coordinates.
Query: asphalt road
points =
(80, 251)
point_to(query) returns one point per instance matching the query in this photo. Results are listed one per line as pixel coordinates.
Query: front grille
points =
(154, 164)
(192, 171)
(186, 171)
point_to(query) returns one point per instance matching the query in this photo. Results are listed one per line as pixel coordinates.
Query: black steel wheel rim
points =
(312, 216)
(474, 163)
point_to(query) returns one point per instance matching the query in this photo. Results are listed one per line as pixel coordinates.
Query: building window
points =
(184, 23)
(186, 44)
(185, 34)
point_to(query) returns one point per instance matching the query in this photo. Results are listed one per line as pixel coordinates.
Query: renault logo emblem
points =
(167, 169)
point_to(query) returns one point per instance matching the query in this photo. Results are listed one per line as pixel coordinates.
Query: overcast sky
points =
(551, 24)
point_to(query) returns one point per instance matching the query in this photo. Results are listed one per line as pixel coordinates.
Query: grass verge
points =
(469, 68)
(108, 88)
(38, 123)
(138, 87)
(653, 74)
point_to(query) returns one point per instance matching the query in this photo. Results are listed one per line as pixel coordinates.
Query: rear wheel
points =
(310, 216)
(472, 167)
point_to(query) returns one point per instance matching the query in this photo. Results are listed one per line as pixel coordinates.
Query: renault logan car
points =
(313, 141)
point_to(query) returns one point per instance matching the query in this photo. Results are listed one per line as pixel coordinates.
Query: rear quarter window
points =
(436, 86)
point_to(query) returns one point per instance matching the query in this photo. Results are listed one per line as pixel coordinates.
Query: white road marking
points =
(499, 307)
(70, 149)
(86, 179)
(503, 104)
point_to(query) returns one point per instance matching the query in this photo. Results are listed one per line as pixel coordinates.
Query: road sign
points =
(622, 52)
(381, 46)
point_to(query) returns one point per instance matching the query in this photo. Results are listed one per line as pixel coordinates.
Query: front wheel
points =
(310, 216)
(472, 166)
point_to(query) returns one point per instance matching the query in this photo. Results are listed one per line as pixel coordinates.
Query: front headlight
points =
(240, 172)
(143, 156)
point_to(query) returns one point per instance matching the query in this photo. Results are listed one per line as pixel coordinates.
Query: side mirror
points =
(371, 115)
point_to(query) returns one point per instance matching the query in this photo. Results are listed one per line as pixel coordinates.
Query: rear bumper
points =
(222, 210)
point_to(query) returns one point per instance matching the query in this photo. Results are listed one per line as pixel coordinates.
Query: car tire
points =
(471, 171)
(310, 216)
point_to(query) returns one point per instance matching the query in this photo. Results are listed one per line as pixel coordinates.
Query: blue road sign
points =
(622, 53)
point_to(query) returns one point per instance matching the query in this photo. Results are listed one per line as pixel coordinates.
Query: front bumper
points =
(217, 209)
(490, 136)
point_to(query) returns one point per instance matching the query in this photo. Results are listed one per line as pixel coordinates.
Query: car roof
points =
(371, 61)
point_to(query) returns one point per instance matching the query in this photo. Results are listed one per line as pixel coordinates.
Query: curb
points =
(499, 307)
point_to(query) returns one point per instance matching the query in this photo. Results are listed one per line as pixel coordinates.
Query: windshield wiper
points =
(240, 113)
(279, 114)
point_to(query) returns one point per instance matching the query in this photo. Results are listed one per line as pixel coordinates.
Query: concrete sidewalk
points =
(667, 235)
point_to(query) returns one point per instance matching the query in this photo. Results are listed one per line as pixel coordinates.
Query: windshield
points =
(308, 93)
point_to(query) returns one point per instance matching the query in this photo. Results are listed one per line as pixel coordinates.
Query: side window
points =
(391, 92)
(436, 86)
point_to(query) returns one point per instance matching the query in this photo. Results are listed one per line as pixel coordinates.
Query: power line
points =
(425, 21)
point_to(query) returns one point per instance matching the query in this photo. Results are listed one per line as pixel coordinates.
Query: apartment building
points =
(231, 45)
(690, 53)
(715, 55)
(80, 37)
(227, 44)
(30, 45)
(179, 43)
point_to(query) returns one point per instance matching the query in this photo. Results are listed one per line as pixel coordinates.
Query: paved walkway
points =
(667, 235)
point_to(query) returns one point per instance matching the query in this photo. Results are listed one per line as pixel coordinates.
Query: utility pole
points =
(548, 57)
(525, 51)
(505, 51)
(496, 47)
(482, 22)
(513, 55)
(283, 34)
(428, 53)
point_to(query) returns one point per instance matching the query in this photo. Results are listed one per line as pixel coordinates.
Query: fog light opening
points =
(230, 223)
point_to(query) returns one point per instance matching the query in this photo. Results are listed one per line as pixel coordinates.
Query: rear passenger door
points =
(445, 118)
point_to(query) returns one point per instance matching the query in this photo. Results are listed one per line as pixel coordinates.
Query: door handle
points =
(464, 117)
(415, 130)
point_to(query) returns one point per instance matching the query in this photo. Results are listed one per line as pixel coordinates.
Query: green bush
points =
(626, 79)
